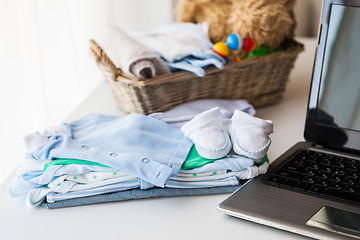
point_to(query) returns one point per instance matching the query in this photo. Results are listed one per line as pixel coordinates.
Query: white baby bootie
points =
(208, 133)
(250, 135)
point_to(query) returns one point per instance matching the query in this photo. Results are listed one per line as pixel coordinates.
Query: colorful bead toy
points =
(248, 44)
(233, 42)
(221, 49)
(259, 52)
(236, 59)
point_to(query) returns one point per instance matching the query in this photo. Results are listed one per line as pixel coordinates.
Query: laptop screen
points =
(334, 105)
(340, 79)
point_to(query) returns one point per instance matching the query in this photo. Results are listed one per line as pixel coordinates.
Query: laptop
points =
(313, 189)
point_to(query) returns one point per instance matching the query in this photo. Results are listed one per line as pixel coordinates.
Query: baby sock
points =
(208, 133)
(249, 134)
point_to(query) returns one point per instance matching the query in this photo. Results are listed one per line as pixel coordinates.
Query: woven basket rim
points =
(291, 47)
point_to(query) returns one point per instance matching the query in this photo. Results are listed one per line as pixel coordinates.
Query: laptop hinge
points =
(335, 148)
(317, 145)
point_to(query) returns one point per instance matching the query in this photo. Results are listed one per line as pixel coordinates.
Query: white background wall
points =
(46, 68)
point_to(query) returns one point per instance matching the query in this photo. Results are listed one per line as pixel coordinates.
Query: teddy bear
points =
(268, 22)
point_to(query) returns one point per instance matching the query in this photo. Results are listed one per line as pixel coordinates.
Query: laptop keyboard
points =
(320, 174)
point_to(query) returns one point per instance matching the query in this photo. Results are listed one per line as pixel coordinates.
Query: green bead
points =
(260, 51)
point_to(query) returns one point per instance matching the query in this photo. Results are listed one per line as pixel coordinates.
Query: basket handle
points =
(101, 56)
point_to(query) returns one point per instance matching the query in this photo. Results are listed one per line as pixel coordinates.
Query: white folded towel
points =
(127, 54)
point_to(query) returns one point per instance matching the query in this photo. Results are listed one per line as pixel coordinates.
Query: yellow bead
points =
(221, 48)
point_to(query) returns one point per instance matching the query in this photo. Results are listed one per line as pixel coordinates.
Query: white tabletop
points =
(191, 217)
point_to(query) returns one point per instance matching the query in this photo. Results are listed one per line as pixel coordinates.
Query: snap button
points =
(85, 147)
(113, 154)
(145, 160)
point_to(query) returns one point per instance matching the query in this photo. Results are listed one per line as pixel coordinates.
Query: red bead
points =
(219, 54)
(248, 44)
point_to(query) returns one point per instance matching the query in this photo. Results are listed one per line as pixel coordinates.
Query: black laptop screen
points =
(334, 107)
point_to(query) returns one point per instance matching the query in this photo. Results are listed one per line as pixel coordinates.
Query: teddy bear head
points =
(267, 22)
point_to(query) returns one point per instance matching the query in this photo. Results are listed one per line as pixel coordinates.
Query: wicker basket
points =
(261, 81)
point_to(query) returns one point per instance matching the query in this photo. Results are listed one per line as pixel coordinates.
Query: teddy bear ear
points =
(185, 11)
(289, 5)
(214, 12)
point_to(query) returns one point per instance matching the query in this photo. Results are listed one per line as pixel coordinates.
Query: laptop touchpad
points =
(337, 220)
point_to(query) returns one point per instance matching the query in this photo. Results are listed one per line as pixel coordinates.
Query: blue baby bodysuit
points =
(142, 146)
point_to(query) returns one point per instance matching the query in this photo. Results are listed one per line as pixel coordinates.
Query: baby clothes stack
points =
(101, 158)
(161, 50)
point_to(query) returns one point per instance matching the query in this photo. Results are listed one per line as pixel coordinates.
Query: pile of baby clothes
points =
(101, 158)
(161, 50)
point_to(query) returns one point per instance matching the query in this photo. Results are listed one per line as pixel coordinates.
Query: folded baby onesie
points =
(72, 183)
(142, 146)
(219, 176)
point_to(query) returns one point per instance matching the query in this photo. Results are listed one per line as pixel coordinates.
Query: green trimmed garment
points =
(193, 160)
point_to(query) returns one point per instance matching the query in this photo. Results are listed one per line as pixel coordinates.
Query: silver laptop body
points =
(332, 127)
